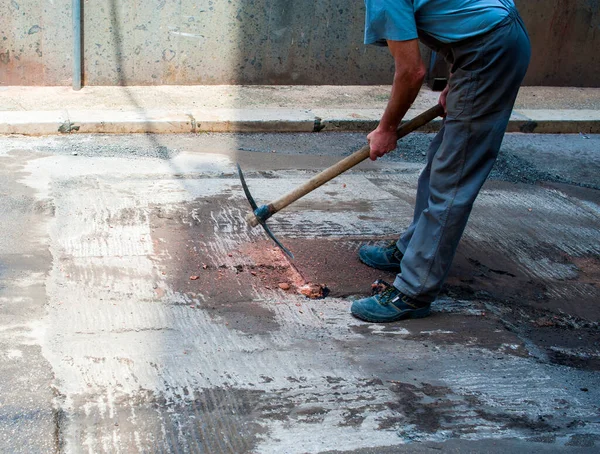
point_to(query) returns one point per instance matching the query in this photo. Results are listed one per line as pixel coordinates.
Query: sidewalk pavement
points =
(195, 109)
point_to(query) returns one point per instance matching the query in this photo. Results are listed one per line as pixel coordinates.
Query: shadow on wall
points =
(235, 42)
(306, 42)
(303, 42)
(117, 38)
(170, 42)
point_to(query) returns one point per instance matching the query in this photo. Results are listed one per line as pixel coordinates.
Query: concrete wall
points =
(145, 42)
(35, 42)
(565, 38)
(229, 41)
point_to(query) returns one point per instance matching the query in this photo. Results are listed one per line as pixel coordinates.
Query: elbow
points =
(417, 75)
(411, 76)
(420, 74)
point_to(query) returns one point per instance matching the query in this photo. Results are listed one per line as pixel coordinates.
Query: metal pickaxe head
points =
(260, 214)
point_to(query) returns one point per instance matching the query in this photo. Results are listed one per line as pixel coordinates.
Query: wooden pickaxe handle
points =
(343, 165)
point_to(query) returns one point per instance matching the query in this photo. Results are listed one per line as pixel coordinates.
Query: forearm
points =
(408, 77)
(405, 89)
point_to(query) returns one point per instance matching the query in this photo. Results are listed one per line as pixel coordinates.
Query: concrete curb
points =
(33, 123)
(262, 120)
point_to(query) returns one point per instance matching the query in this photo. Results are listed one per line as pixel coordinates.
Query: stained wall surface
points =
(150, 42)
(565, 39)
(35, 42)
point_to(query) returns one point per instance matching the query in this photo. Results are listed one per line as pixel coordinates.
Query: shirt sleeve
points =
(389, 19)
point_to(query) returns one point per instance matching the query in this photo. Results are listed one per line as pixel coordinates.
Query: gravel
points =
(524, 158)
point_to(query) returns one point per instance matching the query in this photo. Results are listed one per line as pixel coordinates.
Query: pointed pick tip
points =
(276, 241)
(245, 188)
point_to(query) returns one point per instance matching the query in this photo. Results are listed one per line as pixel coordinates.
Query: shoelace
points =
(385, 297)
(396, 254)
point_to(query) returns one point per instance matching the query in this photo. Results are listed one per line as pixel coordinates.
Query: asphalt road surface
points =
(139, 312)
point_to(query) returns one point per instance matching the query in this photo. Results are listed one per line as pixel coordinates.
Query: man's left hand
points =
(381, 142)
(443, 97)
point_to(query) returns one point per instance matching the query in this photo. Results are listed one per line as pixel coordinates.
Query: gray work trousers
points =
(487, 72)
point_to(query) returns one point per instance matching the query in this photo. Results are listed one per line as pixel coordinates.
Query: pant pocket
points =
(460, 94)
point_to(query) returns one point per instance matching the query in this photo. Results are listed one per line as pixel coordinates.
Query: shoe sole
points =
(382, 267)
(417, 313)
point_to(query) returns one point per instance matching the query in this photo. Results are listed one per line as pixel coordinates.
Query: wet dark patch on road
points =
(430, 409)
(335, 262)
(483, 330)
(423, 407)
(518, 421)
(229, 271)
(584, 440)
(521, 305)
(564, 323)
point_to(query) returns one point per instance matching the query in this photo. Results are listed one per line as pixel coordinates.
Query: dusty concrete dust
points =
(482, 272)
(141, 313)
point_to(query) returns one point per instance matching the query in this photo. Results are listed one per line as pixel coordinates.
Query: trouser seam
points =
(400, 244)
(472, 88)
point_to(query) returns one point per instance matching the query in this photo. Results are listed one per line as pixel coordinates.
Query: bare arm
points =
(408, 78)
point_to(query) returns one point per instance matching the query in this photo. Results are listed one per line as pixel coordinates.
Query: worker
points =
(487, 47)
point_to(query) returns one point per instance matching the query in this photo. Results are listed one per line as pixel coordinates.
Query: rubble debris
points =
(378, 286)
(193, 278)
(313, 291)
(284, 286)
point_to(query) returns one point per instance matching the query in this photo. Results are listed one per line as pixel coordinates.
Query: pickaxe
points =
(260, 214)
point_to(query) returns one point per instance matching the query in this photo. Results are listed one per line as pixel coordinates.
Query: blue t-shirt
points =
(447, 21)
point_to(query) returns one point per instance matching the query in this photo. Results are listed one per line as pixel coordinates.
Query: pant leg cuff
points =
(399, 284)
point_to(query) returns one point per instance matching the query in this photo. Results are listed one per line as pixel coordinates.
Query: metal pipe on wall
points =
(76, 44)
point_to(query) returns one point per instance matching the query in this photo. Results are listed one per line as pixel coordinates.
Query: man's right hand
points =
(409, 72)
(381, 142)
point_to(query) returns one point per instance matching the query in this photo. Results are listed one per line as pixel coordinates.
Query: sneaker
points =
(386, 258)
(389, 305)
